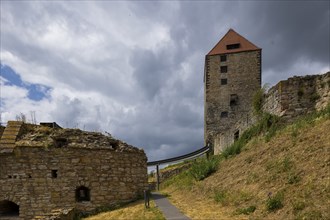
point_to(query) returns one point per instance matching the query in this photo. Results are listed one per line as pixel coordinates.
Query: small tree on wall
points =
(258, 100)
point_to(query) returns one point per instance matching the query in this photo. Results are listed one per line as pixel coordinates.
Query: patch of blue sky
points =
(36, 92)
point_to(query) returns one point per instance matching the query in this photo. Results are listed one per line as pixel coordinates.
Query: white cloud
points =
(11, 91)
(135, 69)
(30, 72)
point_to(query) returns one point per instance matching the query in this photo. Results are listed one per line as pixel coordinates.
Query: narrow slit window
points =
(54, 173)
(233, 46)
(236, 135)
(223, 69)
(233, 99)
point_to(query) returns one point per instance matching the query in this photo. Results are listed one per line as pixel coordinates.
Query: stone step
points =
(9, 135)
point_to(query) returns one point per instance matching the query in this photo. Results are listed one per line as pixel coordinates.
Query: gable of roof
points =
(232, 37)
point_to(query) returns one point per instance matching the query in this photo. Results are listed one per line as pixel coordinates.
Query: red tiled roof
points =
(232, 37)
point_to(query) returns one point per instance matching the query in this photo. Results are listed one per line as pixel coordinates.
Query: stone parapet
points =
(298, 95)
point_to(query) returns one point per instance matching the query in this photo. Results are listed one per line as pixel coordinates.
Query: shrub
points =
(234, 149)
(298, 206)
(293, 178)
(258, 100)
(314, 97)
(204, 168)
(267, 124)
(275, 203)
(300, 92)
(220, 196)
(246, 211)
(280, 165)
(183, 180)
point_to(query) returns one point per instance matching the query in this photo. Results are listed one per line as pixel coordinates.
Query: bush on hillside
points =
(204, 168)
(267, 124)
(258, 100)
(274, 203)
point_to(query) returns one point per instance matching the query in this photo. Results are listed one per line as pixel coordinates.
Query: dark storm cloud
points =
(150, 70)
(289, 31)
(145, 60)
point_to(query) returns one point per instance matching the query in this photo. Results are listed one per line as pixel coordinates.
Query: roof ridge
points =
(228, 38)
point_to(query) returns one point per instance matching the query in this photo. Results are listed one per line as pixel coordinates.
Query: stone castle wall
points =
(226, 104)
(42, 179)
(227, 137)
(298, 95)
(288, 99)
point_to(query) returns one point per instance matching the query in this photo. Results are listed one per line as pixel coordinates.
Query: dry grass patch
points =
(135, 210)
(285, 177)
(197, 205)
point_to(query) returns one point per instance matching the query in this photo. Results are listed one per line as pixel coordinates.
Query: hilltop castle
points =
(232, 75)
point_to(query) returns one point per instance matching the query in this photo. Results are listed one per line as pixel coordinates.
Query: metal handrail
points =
(179, 158)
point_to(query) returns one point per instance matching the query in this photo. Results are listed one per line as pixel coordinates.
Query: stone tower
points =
(232, 74)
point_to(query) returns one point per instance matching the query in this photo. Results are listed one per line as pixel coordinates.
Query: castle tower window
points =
(224, 115)
(223, 81)
(223, 58)
(233, 99)
(54, 173)
(8, 208)
(223, 69)
(82, 194)
(236, 135)
(233, 46)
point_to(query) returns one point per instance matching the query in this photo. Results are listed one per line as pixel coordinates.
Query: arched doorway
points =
(8, 208)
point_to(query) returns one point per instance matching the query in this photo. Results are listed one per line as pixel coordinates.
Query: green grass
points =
(275, 202)
(293, 178)
(267, 125)
(246, 211)
(204, 167)
(183, 180)
(221, 196)
(311, 215)
(258, 101)
(298, 205)
(135, 210)
(283, 168)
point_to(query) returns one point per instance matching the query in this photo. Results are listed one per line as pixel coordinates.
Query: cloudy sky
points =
(135, 68)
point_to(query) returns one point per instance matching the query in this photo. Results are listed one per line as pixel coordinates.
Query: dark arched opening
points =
(82, 194)
(8, 208)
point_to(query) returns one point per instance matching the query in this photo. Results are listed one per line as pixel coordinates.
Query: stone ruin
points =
(289, 99)
(47, 172)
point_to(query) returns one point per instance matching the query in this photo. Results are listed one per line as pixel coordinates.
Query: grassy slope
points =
(294, 166)
(135, 210)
